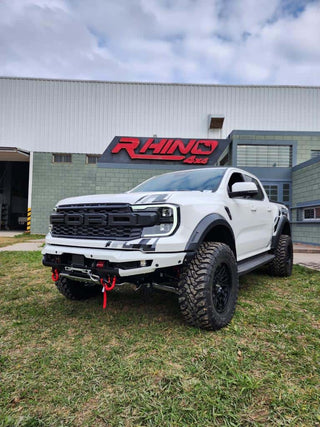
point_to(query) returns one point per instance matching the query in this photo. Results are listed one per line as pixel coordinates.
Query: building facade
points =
(52, 133)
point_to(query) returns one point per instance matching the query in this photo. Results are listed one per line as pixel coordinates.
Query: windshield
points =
(191, 180)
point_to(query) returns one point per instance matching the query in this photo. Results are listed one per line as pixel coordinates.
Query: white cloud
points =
(202, 41)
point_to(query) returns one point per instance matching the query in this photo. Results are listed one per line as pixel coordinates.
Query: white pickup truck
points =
(191, 232)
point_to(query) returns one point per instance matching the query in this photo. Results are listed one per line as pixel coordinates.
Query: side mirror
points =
(240, 189)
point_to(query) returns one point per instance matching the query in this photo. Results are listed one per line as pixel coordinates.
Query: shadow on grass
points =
(124, 307)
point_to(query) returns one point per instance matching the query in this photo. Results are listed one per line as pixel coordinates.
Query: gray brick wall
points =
(305, 189)
(306, 233)
(306, 184)
(55, 181)
(119, 180)
(305, 145)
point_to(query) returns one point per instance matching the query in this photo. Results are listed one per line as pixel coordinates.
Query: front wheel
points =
(75, 290)
(208, 289)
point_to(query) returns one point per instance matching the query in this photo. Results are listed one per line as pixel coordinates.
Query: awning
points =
(13, 154)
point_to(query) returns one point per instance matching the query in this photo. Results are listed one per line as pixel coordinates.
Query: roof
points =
(156, 83)
(13, 154)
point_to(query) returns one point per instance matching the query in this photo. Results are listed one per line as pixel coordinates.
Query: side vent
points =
(228, 212)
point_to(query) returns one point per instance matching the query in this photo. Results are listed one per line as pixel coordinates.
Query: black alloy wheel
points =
(221, 287)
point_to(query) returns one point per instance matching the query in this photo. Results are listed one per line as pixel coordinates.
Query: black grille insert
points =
(98, 221)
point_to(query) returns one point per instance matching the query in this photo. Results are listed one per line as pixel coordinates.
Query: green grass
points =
(65, 363)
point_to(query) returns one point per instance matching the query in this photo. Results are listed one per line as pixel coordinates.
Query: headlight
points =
(166, 212)
(50, 225)
(167, 223)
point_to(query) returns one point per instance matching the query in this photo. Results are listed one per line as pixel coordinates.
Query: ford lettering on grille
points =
(79, 219)
(96, 222)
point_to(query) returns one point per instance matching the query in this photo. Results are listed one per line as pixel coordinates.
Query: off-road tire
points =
(208, 288)
(281, 265)
(76, 290)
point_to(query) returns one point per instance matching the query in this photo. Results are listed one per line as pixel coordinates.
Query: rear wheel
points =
(75, 290)
(282, 263)
(208, 288)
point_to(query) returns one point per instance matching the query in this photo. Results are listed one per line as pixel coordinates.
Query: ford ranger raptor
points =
(192, 232)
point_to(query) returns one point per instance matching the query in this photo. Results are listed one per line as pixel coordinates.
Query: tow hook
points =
(55, 275)
(107, 286)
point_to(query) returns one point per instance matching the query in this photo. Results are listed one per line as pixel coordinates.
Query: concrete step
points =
(299, 248)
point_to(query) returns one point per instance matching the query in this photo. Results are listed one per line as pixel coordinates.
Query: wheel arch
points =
(215, 228)
(284, 227)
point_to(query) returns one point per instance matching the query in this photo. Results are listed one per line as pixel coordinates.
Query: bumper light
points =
(157, 230)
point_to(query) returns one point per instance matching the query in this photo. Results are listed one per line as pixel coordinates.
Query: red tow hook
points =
(55, 275)
(107, 286)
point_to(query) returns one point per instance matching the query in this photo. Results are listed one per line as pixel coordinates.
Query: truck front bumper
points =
(123, 263)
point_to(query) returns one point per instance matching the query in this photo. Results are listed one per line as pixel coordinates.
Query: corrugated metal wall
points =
(83, 117)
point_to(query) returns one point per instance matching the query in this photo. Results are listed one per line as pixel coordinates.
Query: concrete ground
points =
(9, 233)
(31, 245)
(306, 255)
(307, 260)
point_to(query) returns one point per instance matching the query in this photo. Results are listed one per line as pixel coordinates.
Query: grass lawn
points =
(65, 363)
(19, 238)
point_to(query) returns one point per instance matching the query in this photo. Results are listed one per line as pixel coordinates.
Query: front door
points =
(251, 220)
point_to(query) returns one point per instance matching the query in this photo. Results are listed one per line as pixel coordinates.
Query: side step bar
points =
(254, 262)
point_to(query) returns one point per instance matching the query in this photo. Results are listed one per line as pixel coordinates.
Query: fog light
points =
(165, 228)
(143, 263)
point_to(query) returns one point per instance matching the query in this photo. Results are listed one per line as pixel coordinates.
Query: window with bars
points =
(311, 213)
(61, 158)
(272, 192)
(264, 155)
(92, 159)
(315, 153)
(286, 193)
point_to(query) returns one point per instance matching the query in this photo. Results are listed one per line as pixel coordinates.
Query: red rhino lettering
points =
(127, 144)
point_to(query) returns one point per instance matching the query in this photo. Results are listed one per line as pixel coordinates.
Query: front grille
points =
(95, 231)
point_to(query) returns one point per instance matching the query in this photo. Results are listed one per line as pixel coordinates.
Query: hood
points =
(131, 198)
(183, 197)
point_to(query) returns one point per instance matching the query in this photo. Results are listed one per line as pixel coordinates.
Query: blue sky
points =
(184, 41)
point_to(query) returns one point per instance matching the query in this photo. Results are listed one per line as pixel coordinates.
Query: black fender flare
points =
(204, 227)
(283, 222)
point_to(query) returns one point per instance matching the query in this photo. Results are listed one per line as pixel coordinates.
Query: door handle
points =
(253, 208)
(269, 209)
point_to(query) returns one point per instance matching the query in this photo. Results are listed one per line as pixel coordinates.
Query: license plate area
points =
(77, 261)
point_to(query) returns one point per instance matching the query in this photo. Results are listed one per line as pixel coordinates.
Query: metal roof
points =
(83, 116)
(45, 79)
